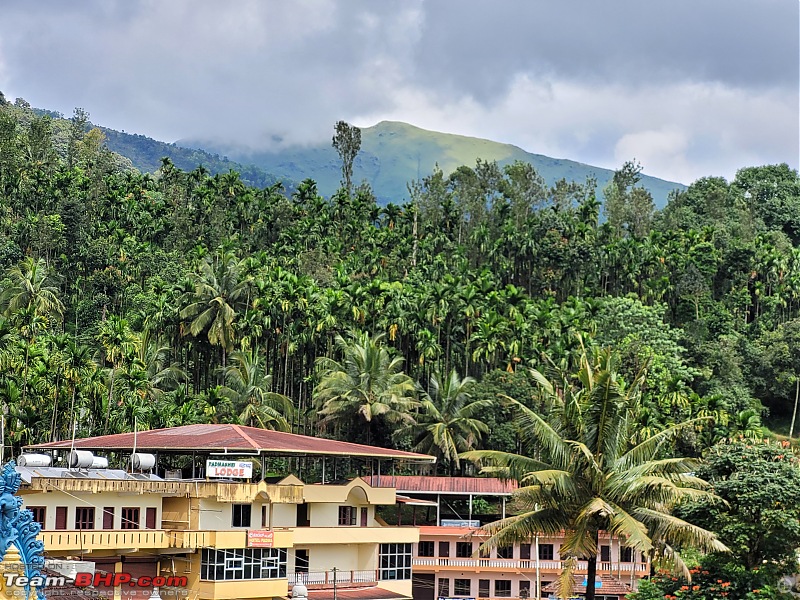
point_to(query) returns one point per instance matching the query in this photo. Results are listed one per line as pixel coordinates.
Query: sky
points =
(689, 88)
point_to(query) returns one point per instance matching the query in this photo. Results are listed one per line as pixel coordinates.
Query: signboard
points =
(260, 538)
(460, 523)
(229, 468)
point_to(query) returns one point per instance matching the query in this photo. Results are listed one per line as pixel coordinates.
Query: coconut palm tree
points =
(32, 287)
(447, 425)
(580, 473)
(218, 296)
(248, 388)
(368, 384)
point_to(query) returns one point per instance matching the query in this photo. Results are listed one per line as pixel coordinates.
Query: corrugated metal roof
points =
(487, 486)
(230, 438)
(609, 586)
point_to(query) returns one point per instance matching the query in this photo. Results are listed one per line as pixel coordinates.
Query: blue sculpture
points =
(18, 528)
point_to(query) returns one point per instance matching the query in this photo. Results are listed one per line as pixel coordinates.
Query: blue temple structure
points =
(17, 528)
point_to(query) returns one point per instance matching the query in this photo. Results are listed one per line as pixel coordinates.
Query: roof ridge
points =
(250, 440)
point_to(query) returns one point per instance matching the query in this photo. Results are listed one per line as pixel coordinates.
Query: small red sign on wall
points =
(260, 538)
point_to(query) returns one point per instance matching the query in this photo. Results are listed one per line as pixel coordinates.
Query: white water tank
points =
(143, 461)
(80, 459)
(34, 460)
(299, 591)
(100, 462)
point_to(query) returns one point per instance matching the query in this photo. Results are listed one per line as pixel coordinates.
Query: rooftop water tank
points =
(34, 460)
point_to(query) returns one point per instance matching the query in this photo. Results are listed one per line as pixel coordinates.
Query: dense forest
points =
(181, 297)
(143, 300)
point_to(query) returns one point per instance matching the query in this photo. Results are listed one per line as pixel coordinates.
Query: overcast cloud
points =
(689, 88)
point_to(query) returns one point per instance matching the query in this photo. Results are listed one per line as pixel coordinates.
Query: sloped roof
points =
(609, 586)
(232, 439)
(478, 486)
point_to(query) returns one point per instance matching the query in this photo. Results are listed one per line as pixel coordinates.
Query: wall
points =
(98, 501)
(284, 515)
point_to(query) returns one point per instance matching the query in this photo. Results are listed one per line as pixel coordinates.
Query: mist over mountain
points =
(394, 153)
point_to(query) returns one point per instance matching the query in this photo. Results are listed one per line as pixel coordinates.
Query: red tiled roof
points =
(233, 438)
(488, 486)
(367, 593)
(610, 586)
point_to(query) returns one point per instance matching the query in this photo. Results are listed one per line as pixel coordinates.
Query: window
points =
(238, 563)
(444, 587)
(364, 516)
(241, 515)
(395, 561)
(505, 552)
(626, 554)
(264, 515)
(524, 589)
(84, 518)
(545, 551)
(39, 514)
(605, 553)
(483, 588)
(502, 588)
(464, 549)
(524, 551)
(425, 549)
(130, 518)
(463, 587)
(347, 515)
(444, 549)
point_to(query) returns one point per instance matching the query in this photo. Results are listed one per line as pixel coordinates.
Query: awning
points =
(413, 501)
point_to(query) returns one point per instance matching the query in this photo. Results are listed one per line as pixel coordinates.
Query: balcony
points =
(325, 579)
(149, 539)
(222, 491)
(555, 566)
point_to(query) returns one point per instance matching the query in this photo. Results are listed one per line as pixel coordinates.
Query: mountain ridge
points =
(394, 153)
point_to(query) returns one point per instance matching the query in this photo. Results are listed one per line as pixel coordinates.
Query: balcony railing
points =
(325, 579)
(112, 539)
(527, 565)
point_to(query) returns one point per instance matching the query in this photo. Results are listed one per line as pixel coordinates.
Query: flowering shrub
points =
(709, 585)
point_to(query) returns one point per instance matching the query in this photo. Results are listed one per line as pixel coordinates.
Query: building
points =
(192, 513)
(448, 563)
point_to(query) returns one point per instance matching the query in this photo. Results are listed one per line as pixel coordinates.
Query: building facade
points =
(217, 539)
(448, 563)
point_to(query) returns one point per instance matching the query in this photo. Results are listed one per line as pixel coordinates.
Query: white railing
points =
(326, 578)
(501, 563)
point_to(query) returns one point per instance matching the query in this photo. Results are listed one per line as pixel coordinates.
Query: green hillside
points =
(393, 153)
(146, 153)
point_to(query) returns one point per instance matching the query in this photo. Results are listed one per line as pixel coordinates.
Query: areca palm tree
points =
(248, 388)
(368, 384)
(447, 425)
(588, 476)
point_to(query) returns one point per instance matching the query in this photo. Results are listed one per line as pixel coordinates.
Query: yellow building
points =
(213, 531)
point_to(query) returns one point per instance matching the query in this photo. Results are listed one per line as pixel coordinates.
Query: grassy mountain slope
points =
(392, 154)
(146, 153)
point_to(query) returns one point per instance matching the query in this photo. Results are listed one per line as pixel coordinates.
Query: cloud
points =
(679, 131)
(688, 88)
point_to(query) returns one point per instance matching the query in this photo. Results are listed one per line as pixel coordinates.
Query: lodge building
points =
(231, 535)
